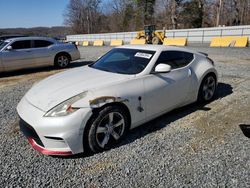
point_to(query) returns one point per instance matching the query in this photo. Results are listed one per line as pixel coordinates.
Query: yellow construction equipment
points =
(151, 35)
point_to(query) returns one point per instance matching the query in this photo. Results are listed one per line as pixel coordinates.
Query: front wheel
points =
(207, 89)
(107, 128)
(155, 40)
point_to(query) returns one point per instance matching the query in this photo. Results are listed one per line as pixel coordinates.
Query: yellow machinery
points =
(151, 35)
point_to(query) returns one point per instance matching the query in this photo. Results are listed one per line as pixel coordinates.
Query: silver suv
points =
(26, 52)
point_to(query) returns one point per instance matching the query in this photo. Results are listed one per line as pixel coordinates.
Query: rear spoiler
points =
(205, 54)
(209, 59)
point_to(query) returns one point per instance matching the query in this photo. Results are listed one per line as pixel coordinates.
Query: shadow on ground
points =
(223, 90)
(245, 129)
(42, 69)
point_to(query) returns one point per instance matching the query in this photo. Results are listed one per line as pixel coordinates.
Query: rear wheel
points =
(107, 129)
(62, 60)
(207, 89)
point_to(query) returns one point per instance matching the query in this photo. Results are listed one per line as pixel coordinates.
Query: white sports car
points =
(92, 107)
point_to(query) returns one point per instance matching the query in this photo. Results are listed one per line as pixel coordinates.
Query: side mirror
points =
(9, 48)
(162, 68)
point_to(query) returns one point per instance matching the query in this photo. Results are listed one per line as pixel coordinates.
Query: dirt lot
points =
(195, 146)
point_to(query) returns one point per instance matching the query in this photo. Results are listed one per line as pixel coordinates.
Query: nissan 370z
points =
(93, 107)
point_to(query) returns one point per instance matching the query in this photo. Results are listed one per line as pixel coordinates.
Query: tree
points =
(218, 11)
(128, 16)
(86, 16)
(83, 15)
(144, 12)
(193, 11)
(175, 4)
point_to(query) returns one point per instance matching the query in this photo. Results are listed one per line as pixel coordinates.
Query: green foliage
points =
(128, 15)
(192, 13)
(144, 12)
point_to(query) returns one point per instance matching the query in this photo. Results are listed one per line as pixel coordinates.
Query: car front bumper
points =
(53, 135)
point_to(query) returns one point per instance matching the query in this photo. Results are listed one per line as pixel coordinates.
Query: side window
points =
(175, 59)
(42, 43)
(23, 44)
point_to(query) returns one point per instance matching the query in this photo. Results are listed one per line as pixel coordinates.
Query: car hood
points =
(57, 88)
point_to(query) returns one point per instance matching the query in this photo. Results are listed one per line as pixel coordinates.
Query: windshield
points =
(2, 44)
(124, 61)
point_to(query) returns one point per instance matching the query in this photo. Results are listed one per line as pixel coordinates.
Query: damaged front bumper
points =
(53, 135)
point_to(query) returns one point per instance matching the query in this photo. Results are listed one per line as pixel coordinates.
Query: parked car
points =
(94, 106)
(27, 52)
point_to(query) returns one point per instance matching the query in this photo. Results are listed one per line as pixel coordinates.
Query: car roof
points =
(30, 38)
(157, 48)
(14, 35)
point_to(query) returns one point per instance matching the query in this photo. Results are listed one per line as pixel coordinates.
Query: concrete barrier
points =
(229, 41)
(116, 42)
(98, 43)
(138, 41)
(175, 41)
(199, 36)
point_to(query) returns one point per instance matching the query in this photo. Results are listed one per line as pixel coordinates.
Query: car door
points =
(19, 57)
(165, 91)
(42, 52)
(2, 45)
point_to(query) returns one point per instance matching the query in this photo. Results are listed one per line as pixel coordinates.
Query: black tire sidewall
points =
(201, 98)
(157, 39)
(56, 60)
(93, 124)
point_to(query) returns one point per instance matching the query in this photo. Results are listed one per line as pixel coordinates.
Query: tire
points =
(106, 129)
(62, 60)
(207, 89)
(155, 40)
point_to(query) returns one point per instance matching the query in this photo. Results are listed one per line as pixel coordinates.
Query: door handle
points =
(189, 72)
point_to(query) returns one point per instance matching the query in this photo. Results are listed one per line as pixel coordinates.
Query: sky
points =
(32, 13)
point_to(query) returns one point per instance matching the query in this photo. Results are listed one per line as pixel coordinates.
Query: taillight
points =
(210, 60)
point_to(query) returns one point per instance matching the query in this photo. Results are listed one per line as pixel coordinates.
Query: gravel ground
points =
(195, 146)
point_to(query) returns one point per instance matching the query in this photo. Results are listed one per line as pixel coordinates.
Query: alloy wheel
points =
(208, 88)
(63, 61)
(112, 126)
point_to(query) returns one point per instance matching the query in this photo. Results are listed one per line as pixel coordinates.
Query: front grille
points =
(29, 131)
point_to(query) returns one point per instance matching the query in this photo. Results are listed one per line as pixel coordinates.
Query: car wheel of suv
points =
(107, 128)
(62, 60)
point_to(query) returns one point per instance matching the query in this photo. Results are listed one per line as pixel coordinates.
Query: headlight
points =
(65, 107)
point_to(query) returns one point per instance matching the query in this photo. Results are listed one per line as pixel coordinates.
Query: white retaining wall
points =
(200, 35)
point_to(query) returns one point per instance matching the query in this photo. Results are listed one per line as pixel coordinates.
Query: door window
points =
(42, 43)
(23, 44)
(176, 59)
